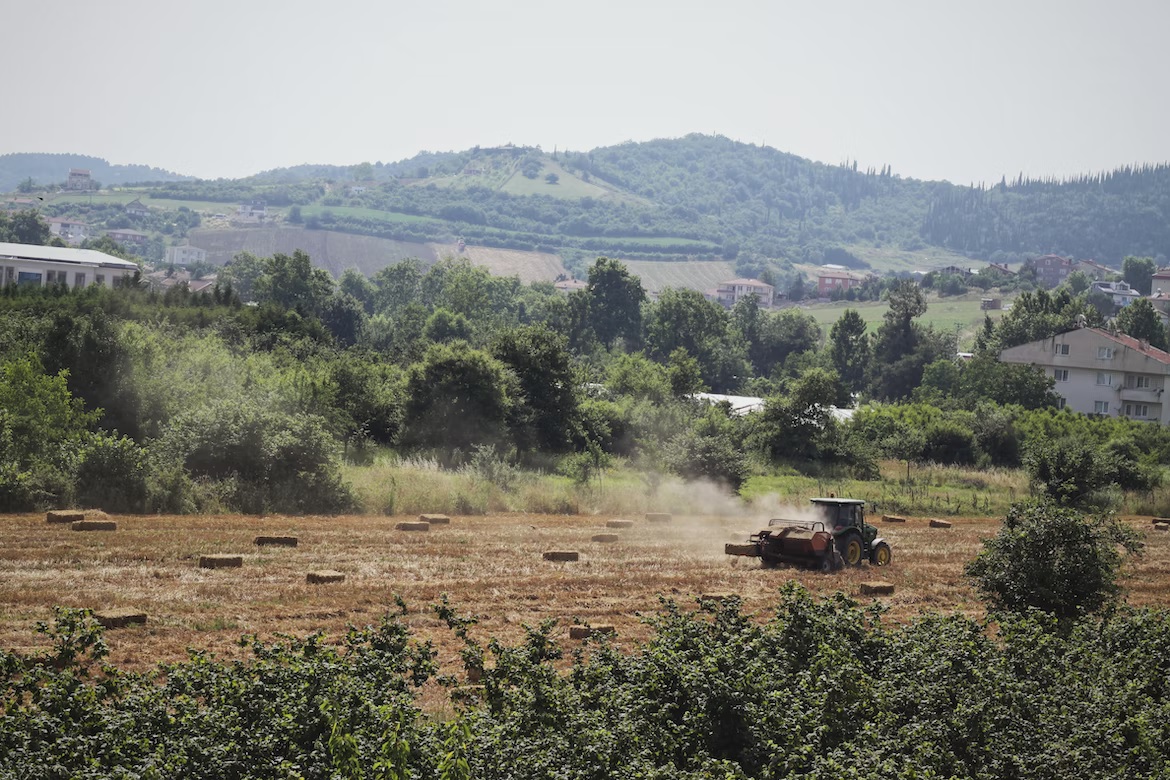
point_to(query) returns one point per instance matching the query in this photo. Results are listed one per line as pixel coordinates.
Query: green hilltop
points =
(697, 198)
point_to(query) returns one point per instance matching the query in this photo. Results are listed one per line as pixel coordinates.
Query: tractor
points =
(838, 536)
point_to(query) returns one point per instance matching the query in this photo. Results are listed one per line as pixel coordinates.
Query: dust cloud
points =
(707, 514)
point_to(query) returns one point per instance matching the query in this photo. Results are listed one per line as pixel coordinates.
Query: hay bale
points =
(412, 526)
(720, 596)
(893, 519)
(604, 538)
(120, 618)
(584, 632)
(741, 548)
(1156, 520)
(619, 523)
(434, 519)
(877, 588)
(324, 577)
(1162, 526)
(275, 541)
(94, 525)
(561, 555)
(221, 561)
(658, 517)
(64, 516)
(936, 523)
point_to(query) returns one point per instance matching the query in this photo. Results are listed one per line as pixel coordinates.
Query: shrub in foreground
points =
(822, 689)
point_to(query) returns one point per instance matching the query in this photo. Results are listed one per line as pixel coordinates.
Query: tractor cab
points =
(856, 539)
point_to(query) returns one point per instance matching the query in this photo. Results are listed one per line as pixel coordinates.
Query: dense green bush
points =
(1052, 558)
(272, 461)
(821, 689)
(112, 474)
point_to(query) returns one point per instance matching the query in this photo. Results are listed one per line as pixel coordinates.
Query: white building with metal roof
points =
(41, 266)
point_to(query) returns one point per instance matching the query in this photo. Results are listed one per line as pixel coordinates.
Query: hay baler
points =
(838, 537)
(800, 544)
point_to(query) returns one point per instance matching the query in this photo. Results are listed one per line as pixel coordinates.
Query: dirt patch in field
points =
(489, 566)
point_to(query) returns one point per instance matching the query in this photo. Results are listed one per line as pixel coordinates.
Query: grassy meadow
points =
(961, 314)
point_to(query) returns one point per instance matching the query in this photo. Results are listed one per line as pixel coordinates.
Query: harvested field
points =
(490, 567)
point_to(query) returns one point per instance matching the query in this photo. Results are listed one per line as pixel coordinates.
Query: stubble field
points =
(490, 567)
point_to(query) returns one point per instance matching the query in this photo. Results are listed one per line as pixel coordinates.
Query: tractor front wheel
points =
(881, 555)
(851, 550)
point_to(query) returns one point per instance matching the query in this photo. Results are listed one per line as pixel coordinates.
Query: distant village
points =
(829, 282)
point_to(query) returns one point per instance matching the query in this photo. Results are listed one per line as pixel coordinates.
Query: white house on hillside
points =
(47, 265)
(186, 255)
(1099, 372)
(733, 291)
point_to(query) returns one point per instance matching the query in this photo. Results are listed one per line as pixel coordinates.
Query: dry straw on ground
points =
(490, 567)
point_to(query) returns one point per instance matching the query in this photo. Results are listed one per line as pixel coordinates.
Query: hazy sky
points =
(963, 91)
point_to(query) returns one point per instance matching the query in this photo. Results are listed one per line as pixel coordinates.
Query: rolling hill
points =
(54, 169)
(699, 198)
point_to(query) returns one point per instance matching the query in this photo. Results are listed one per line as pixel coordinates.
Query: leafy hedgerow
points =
(822, 689)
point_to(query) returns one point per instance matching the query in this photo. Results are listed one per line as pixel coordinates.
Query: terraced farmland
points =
(689, 275)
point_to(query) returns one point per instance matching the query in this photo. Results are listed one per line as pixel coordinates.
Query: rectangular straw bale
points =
(221, 561)
(435, 519)
(94, 525)
(604, 538)
(936, 523)
(893, 519)
(324, 577)
(877, 588)
(658, 517)
(741, 548)
(120, 618)
(561, 555)
(584, 632)
(619, 523)
(275, 541)
(408, 526)
(64, 516)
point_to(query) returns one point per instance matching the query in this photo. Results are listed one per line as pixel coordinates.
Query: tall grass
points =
(415, 485)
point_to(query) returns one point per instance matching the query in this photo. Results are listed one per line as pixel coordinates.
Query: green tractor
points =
(855, 539)
(837, 536)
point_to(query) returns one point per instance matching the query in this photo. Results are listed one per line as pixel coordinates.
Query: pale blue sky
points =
(963, 91)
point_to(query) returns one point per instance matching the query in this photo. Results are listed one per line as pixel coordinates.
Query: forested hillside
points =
(1106, 216)
(693, 198)
(52, 169)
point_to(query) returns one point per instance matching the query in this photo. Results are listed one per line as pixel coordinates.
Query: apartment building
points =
(1101, 372)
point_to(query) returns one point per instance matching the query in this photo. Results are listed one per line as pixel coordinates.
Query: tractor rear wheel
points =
(881, 555)
(851, 549)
